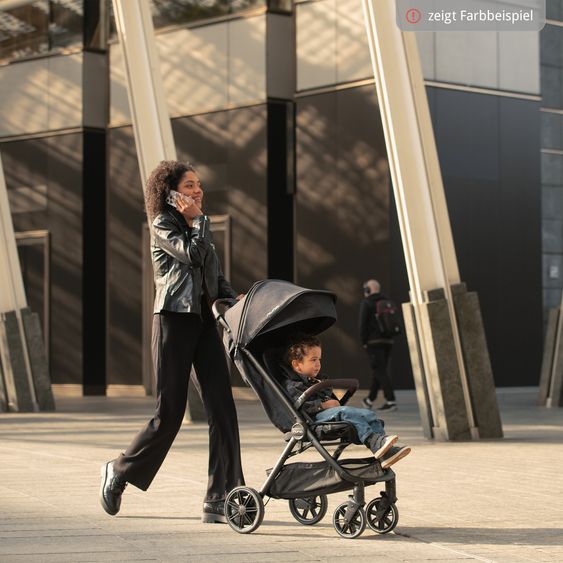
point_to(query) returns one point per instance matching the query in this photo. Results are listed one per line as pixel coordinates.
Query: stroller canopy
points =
(271, 306)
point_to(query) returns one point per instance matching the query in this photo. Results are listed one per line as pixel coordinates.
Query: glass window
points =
(551, 41)
(173, 12)
(555, 9)
(39, 27)
(24, 31)
(177, 12)
(65, 23)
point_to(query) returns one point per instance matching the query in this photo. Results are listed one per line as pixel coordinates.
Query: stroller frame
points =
(244, 507)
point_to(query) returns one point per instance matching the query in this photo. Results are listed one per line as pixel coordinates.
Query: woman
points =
(188, 278)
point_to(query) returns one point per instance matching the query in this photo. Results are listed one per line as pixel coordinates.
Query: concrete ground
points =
(485, 501)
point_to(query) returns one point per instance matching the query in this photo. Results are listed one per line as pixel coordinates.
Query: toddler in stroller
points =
(303, 365)
(256, 329)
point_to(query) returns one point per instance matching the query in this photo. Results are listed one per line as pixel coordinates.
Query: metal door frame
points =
(36, 238)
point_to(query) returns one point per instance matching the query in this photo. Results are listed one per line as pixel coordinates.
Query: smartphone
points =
(174, 195)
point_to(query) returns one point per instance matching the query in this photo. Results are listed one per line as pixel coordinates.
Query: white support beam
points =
(12, 301)
(12, 296)
(417, 182)
(151, 120)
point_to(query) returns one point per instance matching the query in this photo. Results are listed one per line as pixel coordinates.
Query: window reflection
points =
(176, 12)
(39, 27)
(172, 12)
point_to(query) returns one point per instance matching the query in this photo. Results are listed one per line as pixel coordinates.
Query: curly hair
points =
(299, 346)
(165, 177)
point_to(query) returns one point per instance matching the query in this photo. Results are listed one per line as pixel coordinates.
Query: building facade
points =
(274, 104)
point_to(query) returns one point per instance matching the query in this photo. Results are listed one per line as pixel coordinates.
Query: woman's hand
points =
(331, 403)
(188, 208)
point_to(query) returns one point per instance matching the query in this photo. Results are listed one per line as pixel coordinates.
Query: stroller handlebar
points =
(220, 307)
(350, 384)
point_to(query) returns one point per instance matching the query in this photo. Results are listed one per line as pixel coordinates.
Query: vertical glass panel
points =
(174, 12)
(65, 22)
(554, 9)
(551, 54)
(316, 44)
(39, 27)
(24, 31)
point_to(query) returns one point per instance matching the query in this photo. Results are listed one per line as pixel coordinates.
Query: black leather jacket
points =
(186, 267)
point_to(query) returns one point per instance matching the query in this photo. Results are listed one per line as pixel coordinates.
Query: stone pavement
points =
(485, 501)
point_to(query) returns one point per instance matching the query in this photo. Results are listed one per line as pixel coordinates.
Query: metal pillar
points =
(25, 382)
(151, 120)
(449, 397)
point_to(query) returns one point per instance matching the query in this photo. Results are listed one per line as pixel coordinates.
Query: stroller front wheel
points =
(382, 517)
(309, 510)
(354, 527)
(244, 509)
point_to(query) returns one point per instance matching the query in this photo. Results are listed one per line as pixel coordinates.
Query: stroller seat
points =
(324, 431)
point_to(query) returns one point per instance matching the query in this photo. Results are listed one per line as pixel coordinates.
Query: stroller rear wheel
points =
(309, 510)
(354, 527)
(381, 519)
(244, 509)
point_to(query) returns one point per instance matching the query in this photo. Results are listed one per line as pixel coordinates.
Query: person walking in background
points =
(378, 327)
(188, 278)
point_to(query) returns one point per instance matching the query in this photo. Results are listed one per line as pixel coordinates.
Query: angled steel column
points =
(151, 120)
(442, 351)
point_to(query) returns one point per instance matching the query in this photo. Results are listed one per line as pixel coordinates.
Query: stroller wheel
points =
(351, 529)
(309, 510)
(244, 509)
(382, 519)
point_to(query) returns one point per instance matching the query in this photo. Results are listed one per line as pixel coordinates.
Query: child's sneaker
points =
(394, 454)
(367, 402)
(388, 407)
(381, 443)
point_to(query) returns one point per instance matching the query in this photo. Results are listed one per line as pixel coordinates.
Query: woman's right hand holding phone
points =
(188, 208)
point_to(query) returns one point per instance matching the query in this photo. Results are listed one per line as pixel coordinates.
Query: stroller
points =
(254, 329)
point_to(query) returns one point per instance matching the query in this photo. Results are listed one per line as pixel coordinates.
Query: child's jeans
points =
(364, 420)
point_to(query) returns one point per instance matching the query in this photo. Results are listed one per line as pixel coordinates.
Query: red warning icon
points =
(414, 15)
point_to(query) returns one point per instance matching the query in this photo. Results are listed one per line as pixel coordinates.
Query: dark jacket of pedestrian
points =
(370, 333)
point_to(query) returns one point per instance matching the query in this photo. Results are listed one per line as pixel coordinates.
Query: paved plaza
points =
(496, 500)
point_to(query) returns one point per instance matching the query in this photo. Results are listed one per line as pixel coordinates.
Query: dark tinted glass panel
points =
(39, 27)
(342, 219)
(552, 66)
(44, 179)
(554, 9)
(552, 130)
(32, 255)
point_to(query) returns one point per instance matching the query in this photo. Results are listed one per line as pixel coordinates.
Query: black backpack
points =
(387, 317)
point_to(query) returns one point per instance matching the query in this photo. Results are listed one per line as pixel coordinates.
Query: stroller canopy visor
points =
(274, 305)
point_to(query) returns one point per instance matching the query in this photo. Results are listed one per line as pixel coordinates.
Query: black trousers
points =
(178, 340)
(378, 360)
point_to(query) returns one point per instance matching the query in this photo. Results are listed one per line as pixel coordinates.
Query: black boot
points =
(214, 512)
(111, 489)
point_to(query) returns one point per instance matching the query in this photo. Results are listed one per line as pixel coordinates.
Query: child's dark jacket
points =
(295, 385)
